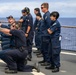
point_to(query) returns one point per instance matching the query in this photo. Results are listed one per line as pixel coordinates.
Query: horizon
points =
(35, 17)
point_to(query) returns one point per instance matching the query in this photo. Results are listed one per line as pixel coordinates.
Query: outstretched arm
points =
(6, 31)
(21, 20)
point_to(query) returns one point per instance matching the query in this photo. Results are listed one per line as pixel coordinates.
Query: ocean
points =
(68, 41)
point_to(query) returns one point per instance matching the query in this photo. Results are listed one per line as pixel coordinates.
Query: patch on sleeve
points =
(45, 17)
(54, 24)
(27, 20)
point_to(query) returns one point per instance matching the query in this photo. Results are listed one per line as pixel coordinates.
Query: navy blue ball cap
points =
(23, 11)
(9, 17)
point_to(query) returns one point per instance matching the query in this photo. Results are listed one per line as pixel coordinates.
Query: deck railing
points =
(68, 41)
(68, 34)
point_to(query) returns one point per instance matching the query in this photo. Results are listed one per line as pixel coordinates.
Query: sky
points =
(66, 8)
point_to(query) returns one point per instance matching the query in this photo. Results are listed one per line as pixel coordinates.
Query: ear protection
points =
(27, 9)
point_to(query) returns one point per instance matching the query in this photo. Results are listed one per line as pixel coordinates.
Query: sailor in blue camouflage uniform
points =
(45, 36)
(15, 58)
(23, 21)
(29, 33)
(36, 11)
(54, 31)
(39, 33)
(7, 41)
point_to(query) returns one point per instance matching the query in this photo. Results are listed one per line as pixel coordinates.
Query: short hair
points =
(46, 5)
(55, 14)
(17, 25)
(37, 9)
(39, 14)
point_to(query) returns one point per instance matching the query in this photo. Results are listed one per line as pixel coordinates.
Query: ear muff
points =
(27, 9)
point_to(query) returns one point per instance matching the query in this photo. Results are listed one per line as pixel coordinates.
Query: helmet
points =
(27, 9)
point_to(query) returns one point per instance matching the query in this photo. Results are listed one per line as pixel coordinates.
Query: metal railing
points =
(68, 41)
(68, 38)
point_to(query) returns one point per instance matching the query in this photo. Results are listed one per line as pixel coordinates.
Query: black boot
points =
(10, 71)
(55, 70)
(41, 61)
(49, 67)
(45, 64)
(39, 55)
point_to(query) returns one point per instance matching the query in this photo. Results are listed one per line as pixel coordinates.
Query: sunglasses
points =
(42, 7)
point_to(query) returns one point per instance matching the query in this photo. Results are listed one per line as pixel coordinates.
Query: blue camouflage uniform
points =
(38, 34)
(46, 37)
(28, 21)
(24, 24)
(35, 25)
(56, 44)
(15, 58)
(29, 39)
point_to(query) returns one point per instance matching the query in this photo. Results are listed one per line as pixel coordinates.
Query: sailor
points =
(28, 29)
(36, 11)
(7, 41)
(15, 58)
(54, 31)
(39, 33)
(23, 20)
(46, 36)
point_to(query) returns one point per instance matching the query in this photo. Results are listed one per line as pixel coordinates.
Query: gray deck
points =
(68, 66)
